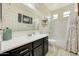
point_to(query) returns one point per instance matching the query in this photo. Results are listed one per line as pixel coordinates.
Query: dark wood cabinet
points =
(45, 46)
(22, 50)
(5, 54)
(37, 43)
(28, 54)
(36, 48)
(38, 51)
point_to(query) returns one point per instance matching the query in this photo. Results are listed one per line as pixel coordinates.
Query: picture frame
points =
(31, 20)
(19, 18)
(27, 19)
(24, 19)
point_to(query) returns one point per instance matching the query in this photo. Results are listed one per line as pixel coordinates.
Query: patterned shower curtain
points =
(72, 35)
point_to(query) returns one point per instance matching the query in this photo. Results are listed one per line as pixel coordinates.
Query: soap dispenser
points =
(7, 34)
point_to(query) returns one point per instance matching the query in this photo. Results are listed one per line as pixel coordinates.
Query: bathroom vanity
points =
(36, 45)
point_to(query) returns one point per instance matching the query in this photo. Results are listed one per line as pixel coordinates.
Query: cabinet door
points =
(38, 51)
(37, 43)
(22, 50)
(45, 47)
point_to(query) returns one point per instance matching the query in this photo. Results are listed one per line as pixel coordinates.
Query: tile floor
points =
(57, 51)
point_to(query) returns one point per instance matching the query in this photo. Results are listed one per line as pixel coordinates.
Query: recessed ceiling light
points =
(30, 5)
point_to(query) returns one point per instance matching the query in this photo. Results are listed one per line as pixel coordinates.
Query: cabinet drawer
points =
(37, 43)
(22, 49)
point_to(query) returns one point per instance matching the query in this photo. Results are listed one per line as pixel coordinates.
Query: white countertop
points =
(19, 41)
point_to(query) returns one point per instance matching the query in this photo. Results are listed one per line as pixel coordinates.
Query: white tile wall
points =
(58, 28)
(10, 16)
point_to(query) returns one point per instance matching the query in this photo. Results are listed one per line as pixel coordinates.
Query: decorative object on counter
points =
(7, 34)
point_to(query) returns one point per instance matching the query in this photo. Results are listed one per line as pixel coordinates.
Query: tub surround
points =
(19, 41)
(59, 43)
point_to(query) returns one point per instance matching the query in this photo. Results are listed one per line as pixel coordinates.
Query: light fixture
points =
(55, 16)
(66, 14)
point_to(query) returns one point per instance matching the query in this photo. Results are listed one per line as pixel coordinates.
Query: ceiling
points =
(45, 8)
(54, 6)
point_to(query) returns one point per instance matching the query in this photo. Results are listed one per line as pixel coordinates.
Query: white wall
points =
(10, 16)
(44, 29)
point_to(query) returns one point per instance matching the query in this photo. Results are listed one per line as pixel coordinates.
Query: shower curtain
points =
(72, 35)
